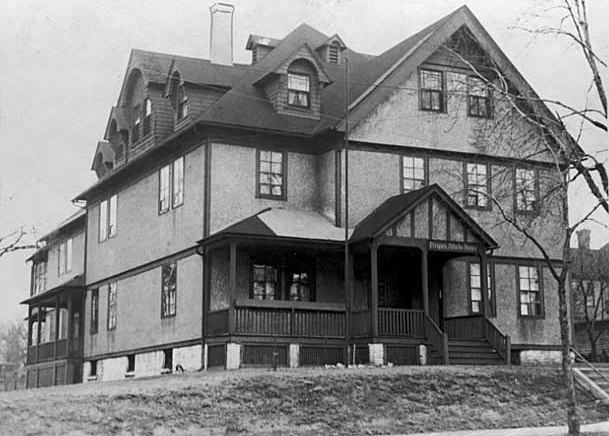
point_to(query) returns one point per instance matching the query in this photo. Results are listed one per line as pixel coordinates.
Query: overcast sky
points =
(62, 64)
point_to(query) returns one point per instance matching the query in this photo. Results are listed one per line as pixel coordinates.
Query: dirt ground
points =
(298, 402)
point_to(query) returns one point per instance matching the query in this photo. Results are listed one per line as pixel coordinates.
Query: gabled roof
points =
(284, 223)
(76, 283)
(261, 40)
(117, 114)
(204, 72)
(399, 205)
(333, 38)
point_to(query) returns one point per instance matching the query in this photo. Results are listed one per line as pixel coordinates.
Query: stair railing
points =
(592, 367)
(437, 337)
(500, 342)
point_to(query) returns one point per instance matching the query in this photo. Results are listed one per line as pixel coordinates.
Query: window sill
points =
(480, 208)
(272, 197)
(92, 378)
(531, 317)
(130, 374)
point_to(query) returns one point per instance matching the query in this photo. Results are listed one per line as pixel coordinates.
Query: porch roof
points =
(398, 206)
(284, 223)
(75, 283)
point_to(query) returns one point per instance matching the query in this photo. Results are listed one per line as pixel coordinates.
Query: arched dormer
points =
(294, 85)
(103, 163)
(178, 96)
(117, 134)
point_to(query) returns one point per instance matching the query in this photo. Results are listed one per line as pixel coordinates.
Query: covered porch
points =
(278, 279)
(54, 342)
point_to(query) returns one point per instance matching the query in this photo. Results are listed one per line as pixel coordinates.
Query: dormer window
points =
(182, 111)
(147, 124)
(137, 120)
(334, 53)
(299, 90)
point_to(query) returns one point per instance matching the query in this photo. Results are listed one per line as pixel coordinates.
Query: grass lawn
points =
(299, 402)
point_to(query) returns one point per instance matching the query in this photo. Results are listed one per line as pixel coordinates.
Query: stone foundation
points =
(540, 357)
(377, 354)
(294, 358)
(233, 356)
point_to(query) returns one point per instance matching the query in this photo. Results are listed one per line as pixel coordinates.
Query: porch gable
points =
(425, 214)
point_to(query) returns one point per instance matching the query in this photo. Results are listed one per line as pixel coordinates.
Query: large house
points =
(232, 223)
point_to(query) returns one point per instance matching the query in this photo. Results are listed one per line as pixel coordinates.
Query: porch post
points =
(232, 287)
(29, 333)
(56, 327)
(425, 280)
(374, 291)
(38, 330)
(69, 326)
(483, 282)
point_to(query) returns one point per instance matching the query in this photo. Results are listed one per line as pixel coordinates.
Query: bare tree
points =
(15, 241)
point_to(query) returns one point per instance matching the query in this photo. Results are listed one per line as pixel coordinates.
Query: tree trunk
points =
(567, 370)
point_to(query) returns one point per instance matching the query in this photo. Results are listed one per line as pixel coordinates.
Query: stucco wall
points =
(142, 234)
(399, 121)
(326, 179)
(233, 184)
(139, 323)
(78, 259)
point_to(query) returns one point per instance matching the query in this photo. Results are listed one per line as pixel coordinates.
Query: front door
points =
(436, 290)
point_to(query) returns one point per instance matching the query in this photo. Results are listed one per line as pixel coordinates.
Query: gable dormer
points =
(331, 50)
(294, 86)
(260, 46)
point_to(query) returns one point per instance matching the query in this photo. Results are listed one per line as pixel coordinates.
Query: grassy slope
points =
(303, 402)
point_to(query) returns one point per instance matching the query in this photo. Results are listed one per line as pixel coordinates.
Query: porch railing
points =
(478, 327)
(280, 318)
(401, 322)
(437, 337)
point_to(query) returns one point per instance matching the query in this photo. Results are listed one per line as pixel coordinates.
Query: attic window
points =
(137, 120)
(334, 53)
(432, 90)
(299, 90)
(182, 110)
(146, 125)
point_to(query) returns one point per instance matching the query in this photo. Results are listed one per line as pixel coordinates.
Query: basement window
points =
(131, 363)
(168, 360)
(93, 368)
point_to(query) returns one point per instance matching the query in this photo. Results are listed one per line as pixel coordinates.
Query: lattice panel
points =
(318, 356)
(399, 355)
(263, 355)
(362, 355)
(216, 355)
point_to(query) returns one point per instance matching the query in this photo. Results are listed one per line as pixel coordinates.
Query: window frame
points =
(540, 291)
(425, 180)
(173, 192)
(147, 117)
(298, 92)
(431, 91)
(137, 121)
(488, 205)
(182, 103)
(64, 264)
(166, 311)
(284, 171)
(110, 218)
(285, 271)
(94, 308)
(112, 306)
(491, 298)
(40, 277)
(536, 190)
(488, 98)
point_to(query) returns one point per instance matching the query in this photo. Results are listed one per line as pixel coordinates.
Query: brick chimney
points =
(583, 239)
(221, 38)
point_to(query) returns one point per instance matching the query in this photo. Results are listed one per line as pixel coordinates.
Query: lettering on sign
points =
(461, 247)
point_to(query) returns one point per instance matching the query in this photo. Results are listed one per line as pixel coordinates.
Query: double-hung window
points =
(299, 90)
(168, 289)
(413, 173)
(479, 103)
(525, 190)
(431, 90)
(112, 306)
(65, 256)
(477, 188)
(530, 291)
(107, 218)
(182, 98)
(171, 185)
(271, 174)
(40, 277)
(475, 288)
(147, 121)
(94, 311)
(283, 280)
(137, 120)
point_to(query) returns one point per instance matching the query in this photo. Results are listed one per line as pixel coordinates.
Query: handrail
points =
(437, 337)
(583, 359)
(289, 305)
(503, 345)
